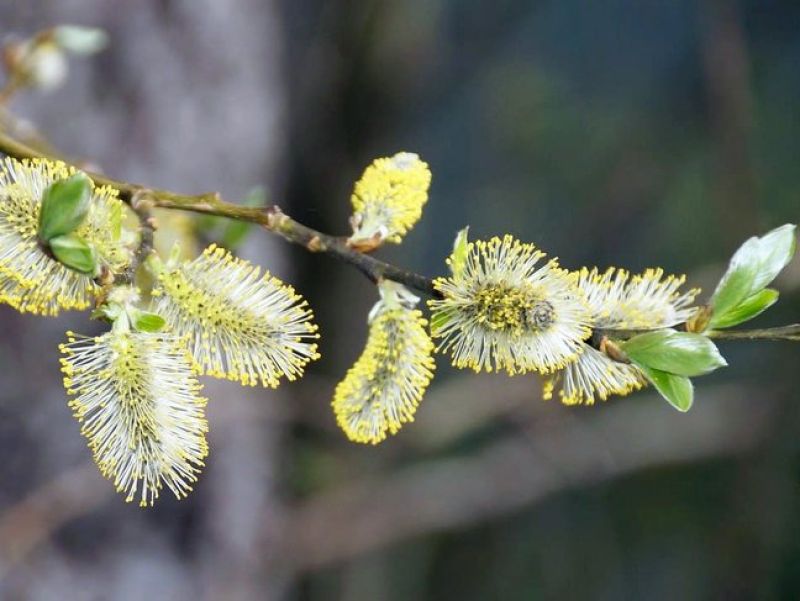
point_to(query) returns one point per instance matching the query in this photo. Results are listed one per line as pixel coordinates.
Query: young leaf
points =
(460, 247)
(82, 41)
(438, 320)
(236, 232)
(109, 312)
(757, 262)
(677, 390)
(145, 321)
(73, 252)
(777, 249)
(680, 353)
(115, 220)
(65, 204)
(735, 285)
(747, 309)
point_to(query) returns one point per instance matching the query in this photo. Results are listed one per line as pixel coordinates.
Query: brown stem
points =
(270, 218)
(789, 332)
(140, 205)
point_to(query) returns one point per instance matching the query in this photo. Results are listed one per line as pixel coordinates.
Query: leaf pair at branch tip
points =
(741, 293)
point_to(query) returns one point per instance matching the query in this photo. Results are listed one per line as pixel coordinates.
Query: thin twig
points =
(788, 332)
(139, 204)
(270, 218)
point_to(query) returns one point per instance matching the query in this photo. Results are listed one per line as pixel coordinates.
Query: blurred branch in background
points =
(548, 454)
(32, 521)
(519, 470)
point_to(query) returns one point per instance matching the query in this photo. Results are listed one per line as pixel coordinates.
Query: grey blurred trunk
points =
(188, 96)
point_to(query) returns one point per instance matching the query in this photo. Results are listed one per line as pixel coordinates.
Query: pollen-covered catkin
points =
(619, 300)
(240, 324)
(388, 199)
(138, 402)
(500, 311)
(31, 280)
(382, 391)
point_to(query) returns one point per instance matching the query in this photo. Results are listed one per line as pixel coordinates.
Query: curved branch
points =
(270, 218)
(356, 518)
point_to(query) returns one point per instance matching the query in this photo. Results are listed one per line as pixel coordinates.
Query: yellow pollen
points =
(512, 310)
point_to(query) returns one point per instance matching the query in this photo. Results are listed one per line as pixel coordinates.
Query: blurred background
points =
(624, 132)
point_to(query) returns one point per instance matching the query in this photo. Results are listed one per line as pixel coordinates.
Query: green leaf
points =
(460, 248)
(754, 265)
(734, 287)
(678, 390)
(439, 320)
(115, 221)
(65, 204)
(777, 249)
(109, 312)
(236, 232)
(73, 252)
(680, 353)
(79, 40)
(746, 310)
(145, 321)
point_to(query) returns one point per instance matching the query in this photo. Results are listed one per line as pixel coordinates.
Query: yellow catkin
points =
(383, 389)
(649, 299)
(388, 199)
(594, 375)
(31, 280)
(239, 324)
(501, 311)
(139, 406)
(619, 300)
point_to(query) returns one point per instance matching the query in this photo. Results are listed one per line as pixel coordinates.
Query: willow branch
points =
(790, 332)
(140, 205)
(274, 220)
(270, 218)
